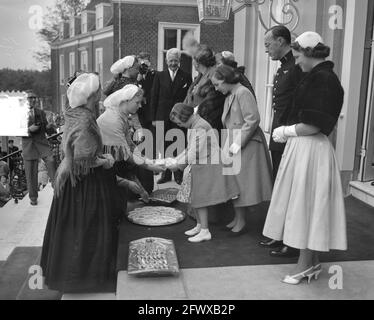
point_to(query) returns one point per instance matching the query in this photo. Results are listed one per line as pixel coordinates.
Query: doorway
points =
(367, 150)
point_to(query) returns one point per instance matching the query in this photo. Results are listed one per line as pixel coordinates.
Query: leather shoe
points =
(233, 234)
(271, 243)
(285, 252)
(33, 202)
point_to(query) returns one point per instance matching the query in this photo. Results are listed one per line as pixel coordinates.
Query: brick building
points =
(158, 25)
(107, 30)
(84, 43)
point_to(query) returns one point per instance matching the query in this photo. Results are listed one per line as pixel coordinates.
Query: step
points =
(251, 283)
(23, 225)
(363, 191)
(15, 271)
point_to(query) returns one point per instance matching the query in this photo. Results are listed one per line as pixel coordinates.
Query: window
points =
(99, 63)
(71, 63)
(84, 22)
(170, 35)
(84, 61)
(62, 70)
(99, 17)
(72, 27)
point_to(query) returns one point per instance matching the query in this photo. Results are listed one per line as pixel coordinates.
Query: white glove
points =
(282, 134)
(234, 148)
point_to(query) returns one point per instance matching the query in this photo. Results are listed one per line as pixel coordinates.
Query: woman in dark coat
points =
(80, 241)
(307, 207)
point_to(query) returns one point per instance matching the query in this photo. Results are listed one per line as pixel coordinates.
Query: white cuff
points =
(290, 131)
(234, 148)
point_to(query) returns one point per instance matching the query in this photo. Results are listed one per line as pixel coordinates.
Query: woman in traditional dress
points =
(80, 241)
(245, 143)
(115, 131)
(307, 207)
(209, 183)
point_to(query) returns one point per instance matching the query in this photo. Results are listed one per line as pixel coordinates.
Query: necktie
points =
(172, 76)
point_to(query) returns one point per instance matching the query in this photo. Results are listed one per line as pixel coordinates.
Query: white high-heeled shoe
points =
(296, 278)
(201, 236)
(317, 269)
(193, 232)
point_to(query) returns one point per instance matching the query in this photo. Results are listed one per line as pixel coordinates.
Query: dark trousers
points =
(31, 171)
(276, 157)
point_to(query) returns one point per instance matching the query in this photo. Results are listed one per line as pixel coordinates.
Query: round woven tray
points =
(154, 216)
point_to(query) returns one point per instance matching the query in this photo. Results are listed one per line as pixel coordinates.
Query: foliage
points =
(21, 80)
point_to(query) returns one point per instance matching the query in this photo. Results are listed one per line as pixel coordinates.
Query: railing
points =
(18, 184)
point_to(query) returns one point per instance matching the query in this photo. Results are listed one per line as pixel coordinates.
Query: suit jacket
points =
(165, 93)
(241, 112)
(145, 113)
(36, 145)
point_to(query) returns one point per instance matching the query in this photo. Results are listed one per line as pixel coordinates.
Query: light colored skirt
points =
(307, 207)
(184, 194)
(209, 186)
(254, 176)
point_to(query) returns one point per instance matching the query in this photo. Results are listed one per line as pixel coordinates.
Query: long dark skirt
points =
(80, 241)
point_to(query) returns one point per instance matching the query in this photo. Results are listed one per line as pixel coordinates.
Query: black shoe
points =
(34, 202)
(285, 252)
(165, 177)
(233, 234)
(271, 243)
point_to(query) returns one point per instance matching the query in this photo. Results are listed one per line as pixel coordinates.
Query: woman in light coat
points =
(245, 144)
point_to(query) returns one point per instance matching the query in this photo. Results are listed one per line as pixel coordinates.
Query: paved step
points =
(251, 283)
(23, 225)
(363, 191)
(15, 271)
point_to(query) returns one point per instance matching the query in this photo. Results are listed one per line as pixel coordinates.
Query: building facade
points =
(84, 43)
(347, 27)
(156, 26)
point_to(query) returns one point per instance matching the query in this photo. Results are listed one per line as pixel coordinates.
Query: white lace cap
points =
(228, 55)
(122, 64)
(82, 88)
(125, 94)
(309, 39)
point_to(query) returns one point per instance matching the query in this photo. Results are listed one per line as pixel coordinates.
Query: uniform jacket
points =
(285, 82)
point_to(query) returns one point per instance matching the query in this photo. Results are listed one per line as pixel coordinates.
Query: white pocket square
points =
(185, 86)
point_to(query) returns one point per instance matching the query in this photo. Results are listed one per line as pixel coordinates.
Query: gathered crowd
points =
(103, 166)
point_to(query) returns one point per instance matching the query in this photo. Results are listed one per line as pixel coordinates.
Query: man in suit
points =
(36, 146)
(169, 87)
(287, 78)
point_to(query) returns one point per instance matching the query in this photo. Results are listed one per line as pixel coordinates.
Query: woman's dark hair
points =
(227, 74)
(228, 62)
(281, 32)
(320, 51)
(205, 56)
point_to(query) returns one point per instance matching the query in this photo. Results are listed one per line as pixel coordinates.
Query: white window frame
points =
(99, 53)
(179, 27)
(72, 27)
(84, 22)
(62, 69)
(71, 64)
(99, 17)
(84, 60)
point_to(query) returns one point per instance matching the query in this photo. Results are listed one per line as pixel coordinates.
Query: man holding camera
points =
(36, 146)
